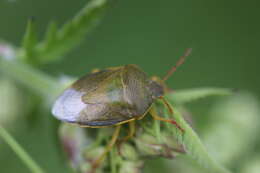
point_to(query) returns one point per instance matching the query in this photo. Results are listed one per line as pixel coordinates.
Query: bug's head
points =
(158, 86)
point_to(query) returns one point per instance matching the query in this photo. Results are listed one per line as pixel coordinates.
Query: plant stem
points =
(30, 77)
(194, 146)
(28, 161)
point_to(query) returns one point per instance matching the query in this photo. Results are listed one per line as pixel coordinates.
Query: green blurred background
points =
(224, 36)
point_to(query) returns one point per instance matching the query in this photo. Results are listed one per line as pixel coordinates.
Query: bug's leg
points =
(111, 143)
(154, 114)
(166, 104)
(131, 132)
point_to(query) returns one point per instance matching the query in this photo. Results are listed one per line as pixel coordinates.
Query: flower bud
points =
(149, 145)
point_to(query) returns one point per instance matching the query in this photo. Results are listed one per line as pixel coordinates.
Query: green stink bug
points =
(112, 97)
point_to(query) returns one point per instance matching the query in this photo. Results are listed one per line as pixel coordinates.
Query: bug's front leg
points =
(154, 114)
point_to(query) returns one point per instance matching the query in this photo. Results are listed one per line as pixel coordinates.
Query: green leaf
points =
(194, 147)
(58, 42)
(251, 165)
(236, 122)
(188, 95)
(29, 42)
(51, 35)
(21, 153)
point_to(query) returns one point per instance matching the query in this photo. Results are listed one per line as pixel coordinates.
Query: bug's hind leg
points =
(111, 143)
(154, 114)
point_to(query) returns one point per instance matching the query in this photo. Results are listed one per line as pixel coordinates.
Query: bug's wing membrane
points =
(69, 105)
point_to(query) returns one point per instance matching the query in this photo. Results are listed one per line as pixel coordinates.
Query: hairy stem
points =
(21, 153)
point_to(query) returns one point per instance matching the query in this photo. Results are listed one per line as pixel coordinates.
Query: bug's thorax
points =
(155, 85)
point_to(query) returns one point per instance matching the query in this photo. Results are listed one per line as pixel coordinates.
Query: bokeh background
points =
(224, 36)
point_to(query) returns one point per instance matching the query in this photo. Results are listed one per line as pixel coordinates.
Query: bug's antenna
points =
(179, 63)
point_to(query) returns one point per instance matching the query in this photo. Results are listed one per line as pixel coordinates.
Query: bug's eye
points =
(69, 105)
(156, 89)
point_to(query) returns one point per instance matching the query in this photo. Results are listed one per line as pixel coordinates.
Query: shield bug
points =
(112, 97)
